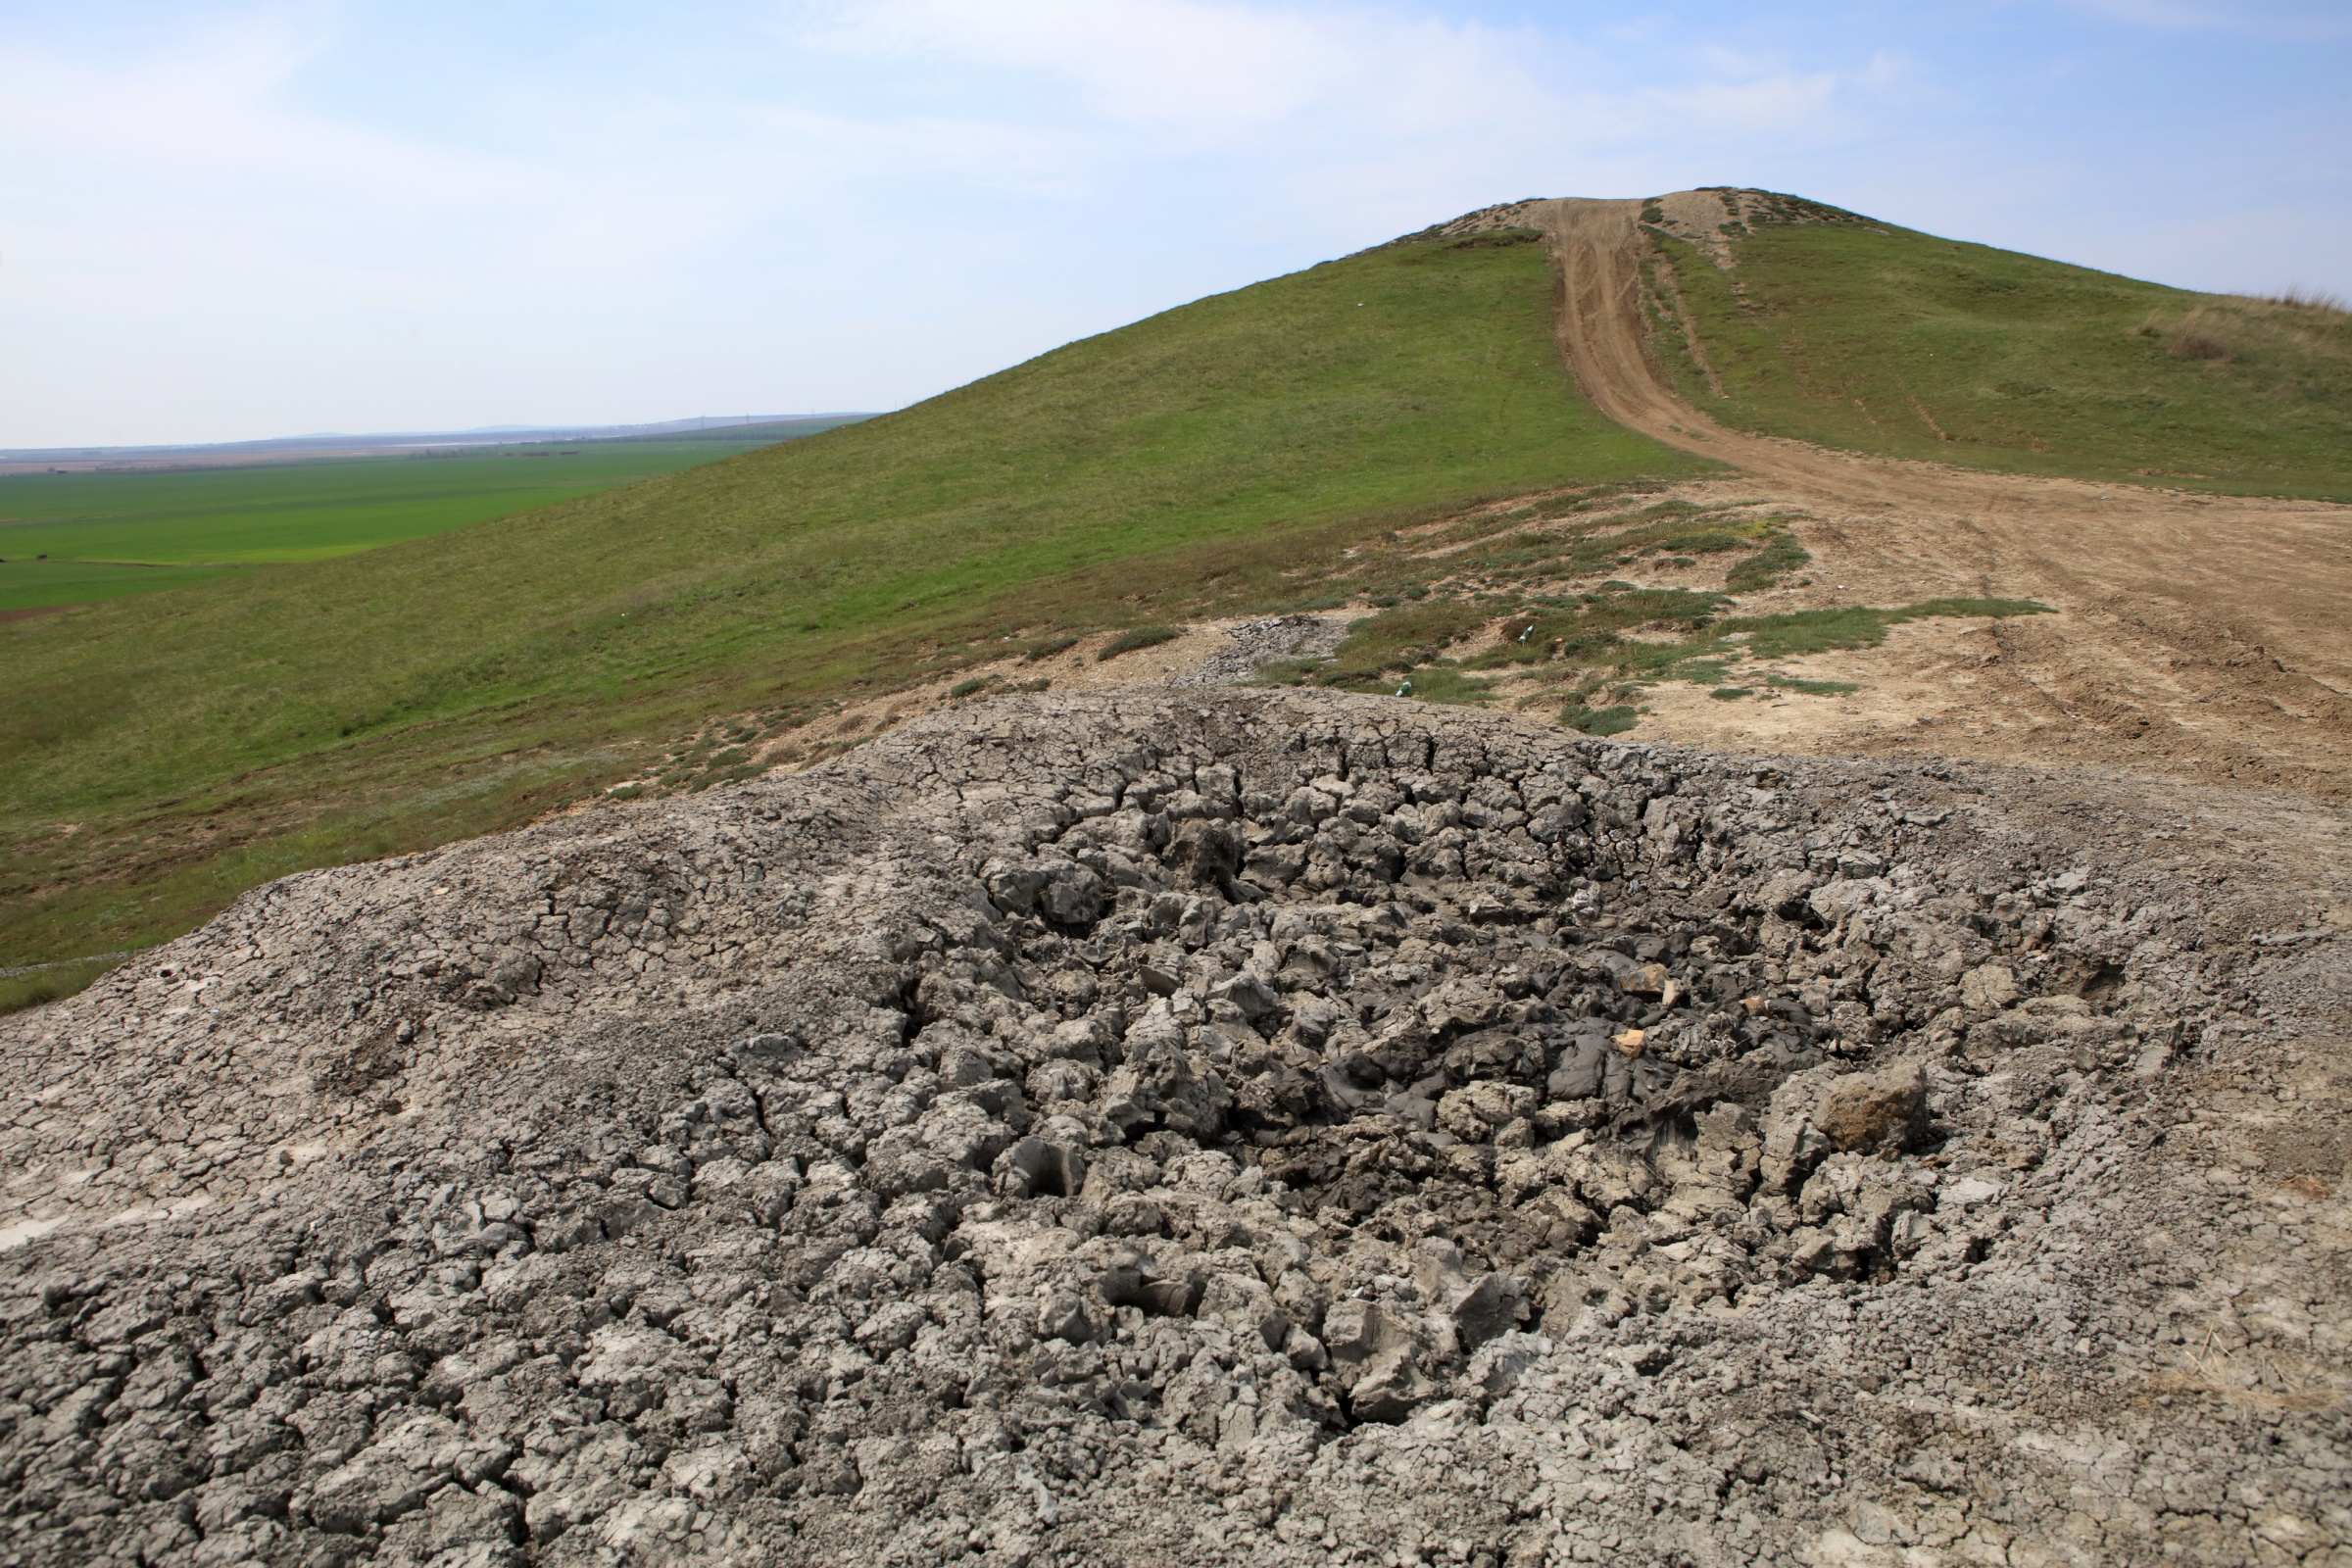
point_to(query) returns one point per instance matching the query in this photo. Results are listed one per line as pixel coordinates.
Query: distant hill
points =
(325, 444)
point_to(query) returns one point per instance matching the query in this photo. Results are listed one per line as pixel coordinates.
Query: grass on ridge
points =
(1216, 459)
(49, 982)
(1887, 340)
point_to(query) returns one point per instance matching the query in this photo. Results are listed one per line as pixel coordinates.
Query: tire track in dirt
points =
(2201, 636)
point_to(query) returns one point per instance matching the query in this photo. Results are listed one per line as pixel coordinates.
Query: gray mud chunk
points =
(1494, 1305)
(1173, 1086)
(630, 1366)
(410, 1459)
(1390, 1389)
(1355, 1333)
(1064, 1316)
(560, 1233)
(459, 1525)
(1579, 1073)
(1242, 1303)
(891, 1327)
(1500, 1364)
(1037, 1168)
(626, 1212)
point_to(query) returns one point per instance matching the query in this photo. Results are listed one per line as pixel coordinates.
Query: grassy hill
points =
(164, 753)
(1862, 335)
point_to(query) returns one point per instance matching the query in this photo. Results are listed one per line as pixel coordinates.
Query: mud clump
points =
(1159, 1129)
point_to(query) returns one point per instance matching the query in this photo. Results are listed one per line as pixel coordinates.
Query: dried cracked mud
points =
(1174, 1127)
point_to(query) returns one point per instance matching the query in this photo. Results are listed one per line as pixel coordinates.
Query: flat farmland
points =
(109, 535)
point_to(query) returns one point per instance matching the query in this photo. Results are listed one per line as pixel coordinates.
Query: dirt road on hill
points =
(2203, 636)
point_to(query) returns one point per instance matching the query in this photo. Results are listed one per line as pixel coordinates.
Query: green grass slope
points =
(162, 755)
(106, 535)
(1860, 335)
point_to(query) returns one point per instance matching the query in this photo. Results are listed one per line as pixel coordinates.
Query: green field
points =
(107, 535)
(1219, 456)
(1903, 343)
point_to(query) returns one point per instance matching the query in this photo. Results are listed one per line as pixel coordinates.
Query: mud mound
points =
(1158, 1129)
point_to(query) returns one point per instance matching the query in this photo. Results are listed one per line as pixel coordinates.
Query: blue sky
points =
(233, 221)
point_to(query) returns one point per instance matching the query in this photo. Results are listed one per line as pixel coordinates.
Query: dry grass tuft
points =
(2199, 338)
(2317, 301)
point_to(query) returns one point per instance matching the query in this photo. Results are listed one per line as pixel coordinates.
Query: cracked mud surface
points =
(1165, 1128)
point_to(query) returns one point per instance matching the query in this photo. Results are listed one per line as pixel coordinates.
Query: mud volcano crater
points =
(1165, 1127)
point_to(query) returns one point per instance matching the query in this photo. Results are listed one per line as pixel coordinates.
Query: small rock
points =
(1872, 1111)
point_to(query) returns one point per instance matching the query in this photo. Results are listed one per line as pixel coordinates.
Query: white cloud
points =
(214, 110)
(1219, 71)
(2182, 15)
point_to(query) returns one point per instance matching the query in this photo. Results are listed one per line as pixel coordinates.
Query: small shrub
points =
(1811, 688)
(1811, 631)
(965, 688)
(2198, 338)
(1781, 553)
(1394, 641)
(1139, 637)
(1991, 608)
(1048, 648)
(1599, 720)
(1732, 694)
(1440, 683)
(1285, 671)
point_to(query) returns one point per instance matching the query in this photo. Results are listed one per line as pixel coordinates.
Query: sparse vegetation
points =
(1138, 638)
(1599, 720)
(1780, 555)
(1809, 688)
(49, 982)
(1626, 640)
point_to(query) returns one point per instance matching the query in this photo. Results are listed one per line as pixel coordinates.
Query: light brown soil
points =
(2200, 636)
